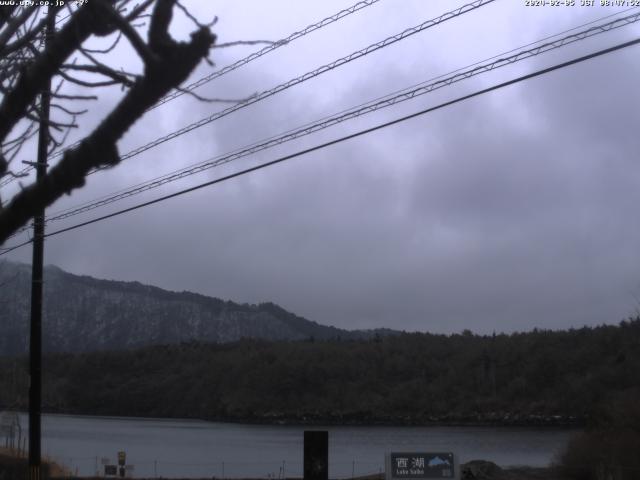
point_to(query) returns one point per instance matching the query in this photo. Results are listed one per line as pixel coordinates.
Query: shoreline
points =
(492, 420)
(515, 421)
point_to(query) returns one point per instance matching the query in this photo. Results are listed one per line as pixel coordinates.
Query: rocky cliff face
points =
(84, 314)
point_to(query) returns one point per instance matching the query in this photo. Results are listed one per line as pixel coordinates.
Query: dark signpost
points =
(316, 455)
(110, 470)
(421, 465)
(122, 460)
(119, 470)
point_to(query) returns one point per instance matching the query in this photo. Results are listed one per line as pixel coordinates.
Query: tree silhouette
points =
(32, 57)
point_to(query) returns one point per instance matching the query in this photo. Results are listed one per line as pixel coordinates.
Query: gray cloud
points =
(507, 212)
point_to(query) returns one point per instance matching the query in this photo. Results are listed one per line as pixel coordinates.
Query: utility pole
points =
(35, 338)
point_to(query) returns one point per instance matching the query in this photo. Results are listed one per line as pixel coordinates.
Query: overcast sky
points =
(513, 210)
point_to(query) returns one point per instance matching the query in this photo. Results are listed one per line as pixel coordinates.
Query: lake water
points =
(188, 449)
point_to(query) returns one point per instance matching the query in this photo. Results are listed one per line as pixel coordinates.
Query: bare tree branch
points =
(116, 77)
(74, 97)
(67, 111)
(34, 77)
(29, 36)
(106, 50)
(84, 83)
(14, 24)
(125, 27)
(194, 19)
(139, 10)
(6, 11)
(59, 126)
(169, 65)
(215, 100)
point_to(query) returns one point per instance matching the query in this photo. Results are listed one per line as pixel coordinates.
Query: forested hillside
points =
(84, 314)
(540, 377)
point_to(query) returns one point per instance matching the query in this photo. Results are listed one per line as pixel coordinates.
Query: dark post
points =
(316, 455)
(35, 339)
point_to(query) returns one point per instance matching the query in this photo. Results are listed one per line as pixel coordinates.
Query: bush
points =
(609, 450)
(599, 455)
(14, 468)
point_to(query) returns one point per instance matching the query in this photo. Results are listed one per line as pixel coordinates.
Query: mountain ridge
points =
(83, 314)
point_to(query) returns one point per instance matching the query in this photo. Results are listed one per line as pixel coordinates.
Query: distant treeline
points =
(539, 377)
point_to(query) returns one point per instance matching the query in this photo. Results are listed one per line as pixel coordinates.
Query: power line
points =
(229, 68)
(404, 95)
(303, 78)
(15, 247)
(344, 138)
(269, 48)
(312, 74)
(9, 178)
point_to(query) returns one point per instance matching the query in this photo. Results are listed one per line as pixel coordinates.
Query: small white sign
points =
(421, 466)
